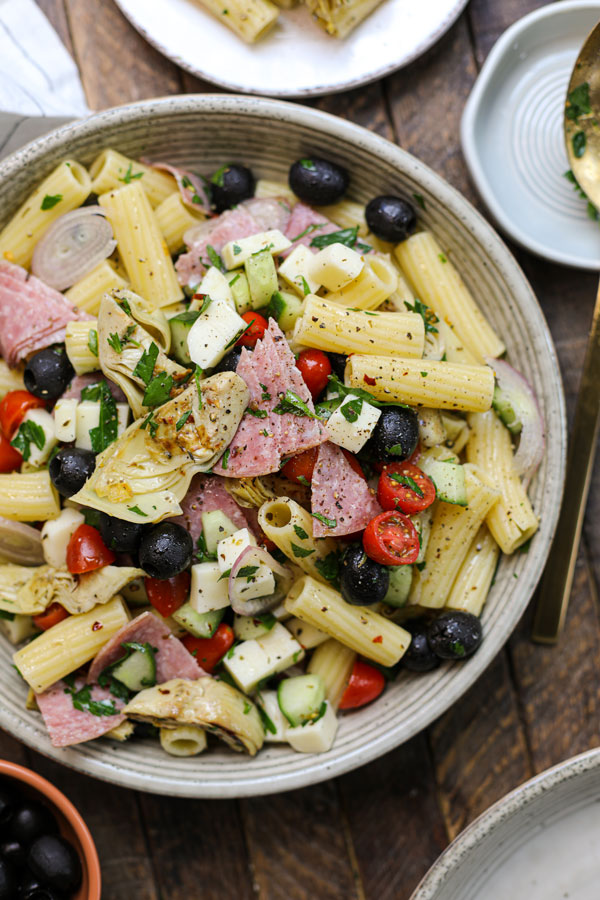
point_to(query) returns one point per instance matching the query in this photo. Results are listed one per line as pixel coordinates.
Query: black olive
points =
(40, 892)
(318, 181)
(230, 185)
(56, 863)
(338, 364)
(13, 852)
(28, 884)
(7, 803)
(70, 469)
(166, 550)
(8, 881)
(362, 580)
(454, 634)
(119, 535)
(48, 373)
(230, 361)
(419, 657)
(29, 821)
(390, 218)
(395, 435)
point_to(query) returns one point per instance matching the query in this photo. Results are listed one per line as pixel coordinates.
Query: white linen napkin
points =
(39, 82)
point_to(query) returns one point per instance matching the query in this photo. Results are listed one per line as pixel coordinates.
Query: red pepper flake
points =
(378, 639)
(368, 380)
(164, 691)
(97, 626)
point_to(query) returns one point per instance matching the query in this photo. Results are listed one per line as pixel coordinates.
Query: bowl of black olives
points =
(46, 849)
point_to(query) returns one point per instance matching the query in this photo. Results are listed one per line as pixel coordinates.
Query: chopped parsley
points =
(578, 102)
(352, 410)
(329, 523)
(124, 304)
(93, 341)
(158, 390)
(181, 422)
(300, 552)
(346, 236)
(247, 571)
(257, 413)
(308, 164)
(442, 257)
(406, 481)
(219, 175)
(329, 567)
(225, 459)
(202, 554)
(215, 258)
(292, 403)
(578, 142)
(198, 373)
(150, 424)
(303, 480)
(429, 317)
(343, 391)
(306, 231)
(301, 533)
(130, 175)
(267, 723)
(424, 374)
(50, 201)
(82, 699)
(247, 706)
(29, 433)
(145, 365)
(137, 511)
(236, 249)
(114, 341)
(396, 450)
(305, 286)
(265, 394)
(106, 430)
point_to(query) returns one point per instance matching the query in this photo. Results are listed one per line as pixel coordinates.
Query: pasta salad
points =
(256, 453)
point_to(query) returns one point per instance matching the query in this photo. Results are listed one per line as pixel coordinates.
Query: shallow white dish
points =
(297, 59)
(512, 134)
(540, 842)
(200, 132)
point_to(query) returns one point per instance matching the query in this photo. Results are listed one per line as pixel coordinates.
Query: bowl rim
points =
(71, 814)
(318, 767)
(516, 800)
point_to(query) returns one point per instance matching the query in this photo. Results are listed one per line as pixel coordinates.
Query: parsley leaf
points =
(93, 341)
(50, 201)
(329, 523)
(292, 403)
(181, 422)
(150, 424)
(307, 230)
(130, 175)
(300, 532)
(308, 164)
(305, 286)
(215, 258)
(198, 372)
(29, 433)
(146, 363)
(115, 342)
(346, 236)
(329, 567)
(429, 317)
(343, 391)
(396, 450)
(106, 430)
(82, 699)
(247, 571)
(225, 459)
(578, 102)
(257, 413)
(406, 481)
(579, 142)
(158, 390)
(219, 175)
(137, 510)
(352, 410)
(300, 552)
(303, 480)
(202, 554)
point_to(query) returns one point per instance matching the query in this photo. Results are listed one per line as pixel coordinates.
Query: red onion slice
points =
(256, 556)
(72, 246)
(190, 186)
(20, 544)
(522, 399)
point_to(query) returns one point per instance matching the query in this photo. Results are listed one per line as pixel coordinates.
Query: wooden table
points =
(373, 833)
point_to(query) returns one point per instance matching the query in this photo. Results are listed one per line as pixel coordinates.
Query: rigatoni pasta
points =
(472, 583)
(29, 497)
(87, 293)
(111, 170)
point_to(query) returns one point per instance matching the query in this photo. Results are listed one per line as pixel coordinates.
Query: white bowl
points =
(204, 131)
(540, 842)
(512, 134)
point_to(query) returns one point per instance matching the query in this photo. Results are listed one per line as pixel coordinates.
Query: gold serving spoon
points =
(582, 135)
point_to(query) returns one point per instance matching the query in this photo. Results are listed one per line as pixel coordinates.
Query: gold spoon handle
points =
(555, 587)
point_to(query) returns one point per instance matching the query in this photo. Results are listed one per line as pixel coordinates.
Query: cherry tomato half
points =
(13, 407)
(405, 487)
(10, 459)
(167, 594)
(50, 617)
(87, 551)
(315, 368)
(258, 325)
(210, 651)
(366, 684)
(300, 467)
(391, 539)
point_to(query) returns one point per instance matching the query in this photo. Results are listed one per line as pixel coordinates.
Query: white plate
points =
(540, 842)
(297, 58)
(512, 134)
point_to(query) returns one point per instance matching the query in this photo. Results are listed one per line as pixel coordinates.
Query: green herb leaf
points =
(130, 175)
(106, 430)
(236, 249)
(352, 410)
(50, 201)
(329, 566)
(265, 394)
(82, 699)
(578, 102)
(420, 200)
(346, 236)
(257, 413)
(215, 258)
(329, 523)
(406, 481)
(396, 450)
(29, 433)
(578, 143)
(150, 424)
(202, 554)
(137, 510)
(308, 164)
(219, 175)
(198, 373)
(429, 317)
(247, 571)
(307, 230)
(343, 391)
(442, 257)
(124, 304)
(301, 533)
(225, 459)
(7, 615)
(303, 480)
(181, 422)
(145, 365)
(93, 341)
(292, 403)
(267, 723)
(305, 286)
(300, 552)
(276, 306)
(159, 390)
(115, 342)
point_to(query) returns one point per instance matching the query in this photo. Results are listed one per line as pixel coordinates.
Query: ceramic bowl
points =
(71, 825)
(540, 842)
(202, 132)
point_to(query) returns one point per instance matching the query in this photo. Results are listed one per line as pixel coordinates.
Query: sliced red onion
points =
(72, 246)
(20, 544)
(256, 556)
(191, 187)
(522, 399)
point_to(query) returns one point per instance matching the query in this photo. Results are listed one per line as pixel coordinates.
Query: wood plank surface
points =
(373, 833)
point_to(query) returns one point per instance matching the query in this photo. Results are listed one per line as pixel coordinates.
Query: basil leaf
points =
(300, 551)
(50, 201)
(145, 364)
(406, 481)
(347, 236)
(351, 411)
(159, 390)
(329, 523)
(29, 433)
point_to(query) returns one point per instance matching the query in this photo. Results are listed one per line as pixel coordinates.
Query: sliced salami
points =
(67, 725)
(269, 212)
(340, 494)
(80, 382)
(231, 225)
(205, 494)
(304, 224)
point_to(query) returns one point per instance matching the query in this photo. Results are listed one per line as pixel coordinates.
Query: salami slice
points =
(340, 494)
(231, 225)
(67, 725)
(304, 224)
(80, 382)
(207, 493)
(269, 212)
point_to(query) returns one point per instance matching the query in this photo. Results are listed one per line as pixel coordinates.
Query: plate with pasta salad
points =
(268, 467)
(327, 45)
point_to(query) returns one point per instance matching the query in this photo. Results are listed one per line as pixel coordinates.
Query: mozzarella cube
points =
(56, 535)
(208, 591)
(317, 736)
(65, 413)
(259, 584)
(235, 253)
(39, 455)
(268, 702)
(213, 333)
(297, 271)
(247, 664)
(336, 266)
(216, 286)
(354, 435)
(88, 417)
(229, 548)
(281, 648)
(307, 635)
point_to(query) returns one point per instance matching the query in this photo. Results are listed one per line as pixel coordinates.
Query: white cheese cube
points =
(207, 592)
(316, 737)
(122, 417)
(88, 417)
(259, 584)
(281, 648)
(216, 286)
(247, 664)
(56, 534)
(267, 700)
(352, 436)
(307, 635)
(39, 455)
(235, 253)
(298, 272)
(229, 548)
(65, 412)
(336, 266)
(213, 333)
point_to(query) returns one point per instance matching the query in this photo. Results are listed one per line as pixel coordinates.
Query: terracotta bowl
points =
(71, 825)
(203, 132)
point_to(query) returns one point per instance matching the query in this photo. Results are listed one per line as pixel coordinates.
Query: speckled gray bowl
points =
(203, 132)
(540, 842)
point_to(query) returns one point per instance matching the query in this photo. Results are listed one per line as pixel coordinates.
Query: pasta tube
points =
(438, 284)
(328, 326)
(70, 644)
(184, 740)
(80, 346)
(347, 214)
(289, 526)
(472, 584)
(88, 292)
(512, 520)
(250, 19)
(111, 170)
(174, 218)
(141, 245)
(357, 627)
(65, 188)
(340, 17)
(419, 382)
(277, 189)
(377, 281)
(333, 662)
(28, 497)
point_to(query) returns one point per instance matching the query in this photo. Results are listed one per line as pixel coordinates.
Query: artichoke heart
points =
(249, 492)
(12, 579)
(76, 593)
(144, 474)
(211, 704)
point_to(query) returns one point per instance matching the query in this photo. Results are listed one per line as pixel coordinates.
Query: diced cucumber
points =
(301, 698)
(399, 589)
(180, 328)
(423, 522)
(286, 308)
(247, 628)
(138, 670)
(202, 625)
(505, 411)
(216, 526)
(449, 480)
(262, 277)
(239, 290)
